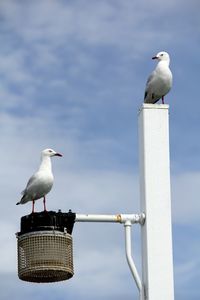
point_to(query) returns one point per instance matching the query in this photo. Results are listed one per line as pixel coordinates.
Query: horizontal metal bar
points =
(119, 218)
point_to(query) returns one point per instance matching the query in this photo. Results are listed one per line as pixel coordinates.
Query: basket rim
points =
(44, 232)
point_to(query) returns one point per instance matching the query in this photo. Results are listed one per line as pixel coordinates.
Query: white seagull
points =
(41, 182)
(159, 82)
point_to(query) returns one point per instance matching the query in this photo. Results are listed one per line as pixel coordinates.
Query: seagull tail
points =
(23, 200)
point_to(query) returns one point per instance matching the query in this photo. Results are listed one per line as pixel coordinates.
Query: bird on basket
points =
(40, 183)
(159, 82)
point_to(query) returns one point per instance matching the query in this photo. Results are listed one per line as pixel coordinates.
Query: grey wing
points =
(30, 182)
(148, 84)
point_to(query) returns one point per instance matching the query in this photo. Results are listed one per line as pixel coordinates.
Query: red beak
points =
(58, 154)
(155, 57)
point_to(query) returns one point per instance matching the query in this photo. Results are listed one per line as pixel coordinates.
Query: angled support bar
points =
(130, 261)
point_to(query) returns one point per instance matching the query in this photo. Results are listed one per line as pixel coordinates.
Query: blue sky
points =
(72, 77)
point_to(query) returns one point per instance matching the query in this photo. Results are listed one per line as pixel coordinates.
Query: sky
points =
(72, 78)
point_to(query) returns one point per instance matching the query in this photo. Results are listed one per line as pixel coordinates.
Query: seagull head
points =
(50, 152)
(162, 56)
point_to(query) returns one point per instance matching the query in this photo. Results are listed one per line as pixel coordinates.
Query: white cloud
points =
(68, 75)
(118, 24)
(185, 198)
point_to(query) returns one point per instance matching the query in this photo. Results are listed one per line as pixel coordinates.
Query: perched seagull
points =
(159, 82)
(41, 182)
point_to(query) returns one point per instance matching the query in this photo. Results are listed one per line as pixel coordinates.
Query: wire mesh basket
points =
(44, 253)
(45, 256)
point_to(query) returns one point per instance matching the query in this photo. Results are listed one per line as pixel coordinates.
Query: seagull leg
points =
(163, 100)
(33, 204)
(44, 202)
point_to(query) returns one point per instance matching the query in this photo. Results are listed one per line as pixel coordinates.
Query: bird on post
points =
(41, 182)
(159, 82)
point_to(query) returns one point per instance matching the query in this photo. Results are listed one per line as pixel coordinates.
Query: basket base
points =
(45, 276)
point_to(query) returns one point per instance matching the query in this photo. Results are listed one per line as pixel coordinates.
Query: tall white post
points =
(155, 201)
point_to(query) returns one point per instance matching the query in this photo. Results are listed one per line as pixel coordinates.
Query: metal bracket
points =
(127, 220)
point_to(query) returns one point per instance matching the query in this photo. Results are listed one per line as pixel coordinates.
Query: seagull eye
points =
(50, 151)
(161, 54)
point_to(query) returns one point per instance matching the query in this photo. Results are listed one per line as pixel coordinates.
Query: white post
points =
(155, 201)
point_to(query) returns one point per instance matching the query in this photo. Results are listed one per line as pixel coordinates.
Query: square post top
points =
(146, 106)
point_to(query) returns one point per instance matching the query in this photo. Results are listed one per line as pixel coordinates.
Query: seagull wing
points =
(149, 84)
(30, 182)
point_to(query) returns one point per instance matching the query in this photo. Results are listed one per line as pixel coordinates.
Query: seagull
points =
(41, 182)
(159, 82)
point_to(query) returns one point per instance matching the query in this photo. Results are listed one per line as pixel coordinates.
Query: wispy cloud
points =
(72, 76)
(185, 198)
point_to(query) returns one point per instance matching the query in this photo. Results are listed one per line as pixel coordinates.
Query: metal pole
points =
(119, 218)
(155, 201)
(127, 226)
